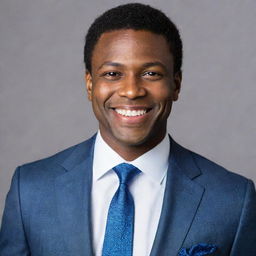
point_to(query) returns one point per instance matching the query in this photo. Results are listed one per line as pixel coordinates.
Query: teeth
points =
(125, 112)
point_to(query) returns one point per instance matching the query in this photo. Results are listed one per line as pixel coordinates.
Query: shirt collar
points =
(153, 163)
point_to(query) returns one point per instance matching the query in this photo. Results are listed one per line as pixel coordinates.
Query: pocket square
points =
(198, 250)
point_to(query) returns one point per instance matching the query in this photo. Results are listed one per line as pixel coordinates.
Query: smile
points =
(128, 112)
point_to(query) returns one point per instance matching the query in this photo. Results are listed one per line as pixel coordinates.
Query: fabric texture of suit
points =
(48, 207)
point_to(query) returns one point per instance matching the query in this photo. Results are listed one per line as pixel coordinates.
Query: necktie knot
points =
(126, 172)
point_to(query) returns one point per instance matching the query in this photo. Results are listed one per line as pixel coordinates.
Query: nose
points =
(132, 88)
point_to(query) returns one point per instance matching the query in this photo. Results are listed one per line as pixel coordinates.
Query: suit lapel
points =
(73, 196)
(181, 201)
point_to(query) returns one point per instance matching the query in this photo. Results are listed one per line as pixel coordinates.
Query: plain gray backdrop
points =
(43, 103)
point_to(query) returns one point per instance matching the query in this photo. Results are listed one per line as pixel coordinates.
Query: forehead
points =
(128, 45)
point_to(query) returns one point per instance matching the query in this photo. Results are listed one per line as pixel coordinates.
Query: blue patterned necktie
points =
(118, 240)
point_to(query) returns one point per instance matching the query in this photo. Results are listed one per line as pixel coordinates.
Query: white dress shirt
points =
(147, 190)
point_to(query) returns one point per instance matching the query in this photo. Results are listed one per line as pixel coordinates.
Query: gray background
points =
(43, 105)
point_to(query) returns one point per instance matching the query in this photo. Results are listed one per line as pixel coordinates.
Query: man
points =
(130, 189)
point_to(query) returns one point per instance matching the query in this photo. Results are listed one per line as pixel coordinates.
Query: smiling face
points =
(132, 86)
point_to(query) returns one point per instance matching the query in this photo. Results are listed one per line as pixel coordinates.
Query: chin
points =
(133, 140)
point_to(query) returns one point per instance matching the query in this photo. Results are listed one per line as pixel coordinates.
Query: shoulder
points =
(216, 174)
(54, 165)
(213, 177)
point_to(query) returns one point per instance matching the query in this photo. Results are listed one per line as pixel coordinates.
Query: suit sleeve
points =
(12, 236)
(245, 239)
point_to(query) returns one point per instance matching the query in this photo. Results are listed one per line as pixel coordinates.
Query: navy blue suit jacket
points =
(47, 211)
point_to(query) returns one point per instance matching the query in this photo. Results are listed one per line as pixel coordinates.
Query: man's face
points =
(132, 87)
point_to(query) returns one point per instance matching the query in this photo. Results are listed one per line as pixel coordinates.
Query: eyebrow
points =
(145, 65)
(155, 63)
(110, 63)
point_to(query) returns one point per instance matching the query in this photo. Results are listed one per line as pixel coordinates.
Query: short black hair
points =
(138, 17)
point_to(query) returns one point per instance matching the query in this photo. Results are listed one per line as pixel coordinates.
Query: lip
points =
(132, 119)
(132, 107)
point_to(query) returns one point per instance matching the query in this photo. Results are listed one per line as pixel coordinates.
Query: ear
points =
(88, 81)
(177, 84)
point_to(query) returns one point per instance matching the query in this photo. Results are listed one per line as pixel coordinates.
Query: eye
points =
(152, 75)
(112, 75)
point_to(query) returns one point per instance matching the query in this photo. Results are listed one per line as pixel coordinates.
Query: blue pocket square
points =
(198, 250)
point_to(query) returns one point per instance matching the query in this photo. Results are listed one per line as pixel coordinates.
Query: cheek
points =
(100, 94)
(102, 90)
(163, 96)
(162, 93)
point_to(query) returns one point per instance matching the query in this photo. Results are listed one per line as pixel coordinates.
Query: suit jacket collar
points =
(73, 197)
(181, 200)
